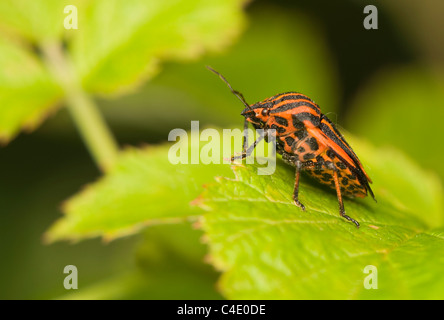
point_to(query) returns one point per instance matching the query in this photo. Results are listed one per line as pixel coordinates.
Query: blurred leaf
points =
(170, 265)
(120, 43)
(179, 285)
(403, 108)
(144, 188)
(37, 21)
(27, 92)
(280, 52)
(164, 246)
(117, 46)
(267, 248)
(422, 34)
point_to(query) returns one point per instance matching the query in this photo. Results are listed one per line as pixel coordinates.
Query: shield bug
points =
(307, 140)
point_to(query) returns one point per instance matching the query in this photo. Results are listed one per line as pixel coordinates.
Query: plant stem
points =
(88, 119)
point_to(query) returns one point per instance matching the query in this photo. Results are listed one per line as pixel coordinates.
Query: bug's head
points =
(258, 113)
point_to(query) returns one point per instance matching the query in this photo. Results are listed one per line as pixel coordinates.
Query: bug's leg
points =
(296, 185)
(338, 192)
(245, 140)
(249, 150)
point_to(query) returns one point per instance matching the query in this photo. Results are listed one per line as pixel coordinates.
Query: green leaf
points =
(144, 188)
(267, 248)
(27, 92)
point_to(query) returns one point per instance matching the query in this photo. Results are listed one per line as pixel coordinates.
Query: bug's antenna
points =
(236, 93)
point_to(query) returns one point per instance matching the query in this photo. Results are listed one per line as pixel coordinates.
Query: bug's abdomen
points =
(317, 158)
(348, 181)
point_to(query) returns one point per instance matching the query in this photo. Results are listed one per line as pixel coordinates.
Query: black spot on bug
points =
(281, 121)
(327, 176)
(298, 124)
(351, 176)
(344, 181)
(317, 172)
(319, 166)
(331, 154)
(301, 150)
(340, 165)
(313, 144)
(320, 161)
(351, 187)
(289, 141)
(301, 134)
(277, 128)
(308, 156)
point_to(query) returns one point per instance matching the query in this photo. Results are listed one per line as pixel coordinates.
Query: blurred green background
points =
(384, 85)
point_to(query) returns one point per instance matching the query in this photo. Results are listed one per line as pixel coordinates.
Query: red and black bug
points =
(307, 140)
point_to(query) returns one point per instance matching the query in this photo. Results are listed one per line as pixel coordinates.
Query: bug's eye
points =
(265, 112)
